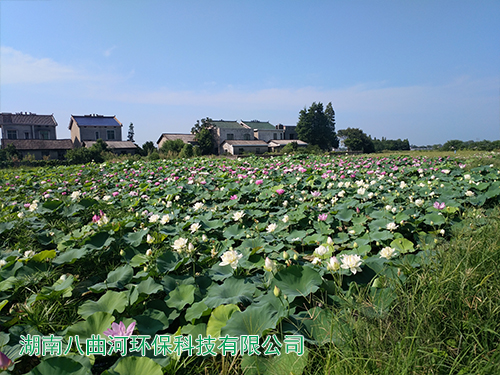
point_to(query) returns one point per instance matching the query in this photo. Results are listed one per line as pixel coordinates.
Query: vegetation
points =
(356, 140)
(317, 127)
(385, 144)
(383, 264)
(204, 135)
(130, 135)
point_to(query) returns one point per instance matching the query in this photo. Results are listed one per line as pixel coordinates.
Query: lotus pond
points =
(212, 249)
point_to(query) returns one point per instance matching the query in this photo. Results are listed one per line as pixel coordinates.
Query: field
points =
(322, 264)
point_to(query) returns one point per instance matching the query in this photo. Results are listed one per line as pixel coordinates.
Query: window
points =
(230, 136)
(97, 135)
(26, 135)
(275, 136)
(246, 137)
(11, 134)
(111, 134)
(281, 135)
(291, 136)
(44, 134)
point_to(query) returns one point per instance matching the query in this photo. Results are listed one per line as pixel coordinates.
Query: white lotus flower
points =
(230, 257)
(419, 202)
(165, 219)
(351, 262)
(194, 227)
(320, 251)
(469, 193)
(154, 218)
(271, 228)
(285, 219)
(269, 265)
(333, 264)
(198, 206)
(149, 252)
(180, 244)
(238, 215)
(391, 226)
(387, 252)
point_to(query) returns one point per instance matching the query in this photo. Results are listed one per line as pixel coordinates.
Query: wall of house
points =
(75, 134)
(40, 154)
(236, 150)
(88, 133)
(237, 133)
(33, 131)
(268, 135)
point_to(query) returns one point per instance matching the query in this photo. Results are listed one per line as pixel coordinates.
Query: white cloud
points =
(17, 67)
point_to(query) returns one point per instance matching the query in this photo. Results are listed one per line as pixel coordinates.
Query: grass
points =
(445, 320)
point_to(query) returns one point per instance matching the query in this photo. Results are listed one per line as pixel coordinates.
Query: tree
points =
(356, 140)
(148, 147)
(131, 133)
(172, 146)
(204, 135)
(317, 127)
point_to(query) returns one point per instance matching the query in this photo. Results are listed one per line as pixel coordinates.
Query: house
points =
(289, 131)
(263, 130)
(40, 148)
(93, 127)
(277, 145)
(27, 125)
(186, 138)
(238, 147)
(229, 131)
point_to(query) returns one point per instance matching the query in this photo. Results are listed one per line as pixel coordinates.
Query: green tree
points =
(148, 147)
(356, 140)
(317, 127)
(130, 136)
(187, 151)
(204, 135)
(172, 147)
(453, 144)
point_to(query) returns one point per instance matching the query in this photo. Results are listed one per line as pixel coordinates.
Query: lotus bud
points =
(276, 291)
(122, 252)
(295, 256)
(285, 255)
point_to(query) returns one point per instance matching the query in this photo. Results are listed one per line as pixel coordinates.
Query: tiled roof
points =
(39, 144)
(226, 124)
(27, 119)
(95, 120)
(186, 138)
(259, 125)
(114, 144)
(242, 143)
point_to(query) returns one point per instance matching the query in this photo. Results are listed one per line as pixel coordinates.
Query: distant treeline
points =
(385, 144)
(456, 144)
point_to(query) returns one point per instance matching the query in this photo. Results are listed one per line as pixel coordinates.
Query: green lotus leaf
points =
(232, 291)
(181, 296)
(109, 302)
(99, 241)
(297, 281)
(402, 245)
(152, 321)
(168, 261)
(433, 218)
(60, 366)
(134, 239)
(253, 321)
(234, 231)
(219, 318)
(69, 256)
(134, 366)
(196, 311)
(345, 214)
(95, 324)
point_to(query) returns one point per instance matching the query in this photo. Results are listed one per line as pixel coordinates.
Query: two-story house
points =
(86, 130)
(33, 134)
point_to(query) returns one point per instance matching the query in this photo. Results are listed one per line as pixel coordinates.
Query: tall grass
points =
(445, 320)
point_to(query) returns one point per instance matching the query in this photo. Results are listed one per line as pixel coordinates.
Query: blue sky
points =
(424, 70)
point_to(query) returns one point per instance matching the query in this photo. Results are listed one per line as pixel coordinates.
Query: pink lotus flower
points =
(322, 217)
(96, 218)
(115, 193)
(5, 362)
(280, 191)
(259, 182)
(316, 194)
(439, 206)
(120, 330)
(233, 197)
